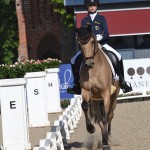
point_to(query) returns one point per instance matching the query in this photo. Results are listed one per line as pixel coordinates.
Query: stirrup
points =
(125, 87)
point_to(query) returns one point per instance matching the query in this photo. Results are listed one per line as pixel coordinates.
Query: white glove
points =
(99, 37)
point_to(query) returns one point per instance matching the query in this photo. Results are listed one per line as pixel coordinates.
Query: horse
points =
(99, 89)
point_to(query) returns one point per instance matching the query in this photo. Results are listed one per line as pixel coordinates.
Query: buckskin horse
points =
(99, 89)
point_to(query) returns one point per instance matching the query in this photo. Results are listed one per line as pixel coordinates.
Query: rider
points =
(100, 29)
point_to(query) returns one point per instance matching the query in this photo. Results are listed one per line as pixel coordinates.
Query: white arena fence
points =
(57, 138)
(26, 102)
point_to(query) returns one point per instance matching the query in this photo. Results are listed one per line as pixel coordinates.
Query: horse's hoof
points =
(90, 128)
(106, 147)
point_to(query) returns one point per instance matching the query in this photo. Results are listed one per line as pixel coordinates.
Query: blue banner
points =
(66, 79)
(81, 2)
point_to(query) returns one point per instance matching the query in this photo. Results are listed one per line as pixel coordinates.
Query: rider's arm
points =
(105, 28)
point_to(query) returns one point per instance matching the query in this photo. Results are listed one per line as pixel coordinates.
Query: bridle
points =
(84, 40)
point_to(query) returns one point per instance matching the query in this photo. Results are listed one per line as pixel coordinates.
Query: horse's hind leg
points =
(86, 106)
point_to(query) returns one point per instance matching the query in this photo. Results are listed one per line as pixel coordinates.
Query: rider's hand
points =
(99, 37)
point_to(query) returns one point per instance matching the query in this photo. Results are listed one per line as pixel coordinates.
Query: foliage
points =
(66, 13)
(65, 103)
(9, 39)
(19, 69)
(8, 32)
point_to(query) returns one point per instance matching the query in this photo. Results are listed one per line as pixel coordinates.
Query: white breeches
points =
(109, 48)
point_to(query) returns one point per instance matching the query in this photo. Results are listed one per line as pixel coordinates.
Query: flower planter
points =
(14, 114)
(53, 90)
(37, 109)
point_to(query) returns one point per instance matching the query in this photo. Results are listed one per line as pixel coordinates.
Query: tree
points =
(66, 13)
(8, 32)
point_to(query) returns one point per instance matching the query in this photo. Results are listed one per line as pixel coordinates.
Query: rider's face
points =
(91, 7)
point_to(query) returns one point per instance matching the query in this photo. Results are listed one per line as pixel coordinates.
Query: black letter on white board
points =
(36, 92)
(50, 84)
(12, 105)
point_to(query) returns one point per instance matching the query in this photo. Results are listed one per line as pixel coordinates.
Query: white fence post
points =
(53, 90)
(73, 121)
(69, 121)
(64, 124)
(38, 115)
(49, 143)
(55, 132)
(14, 114)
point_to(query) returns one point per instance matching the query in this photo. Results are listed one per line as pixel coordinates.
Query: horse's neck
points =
(100, 62)
(99, 58)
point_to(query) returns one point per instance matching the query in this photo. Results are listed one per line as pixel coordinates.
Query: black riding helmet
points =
(89, 2)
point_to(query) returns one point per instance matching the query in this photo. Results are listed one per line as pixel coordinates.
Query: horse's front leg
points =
(104, 123)
(85, 107)
(112, 107)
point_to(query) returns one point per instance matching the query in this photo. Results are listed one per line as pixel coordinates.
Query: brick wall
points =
(41, 33)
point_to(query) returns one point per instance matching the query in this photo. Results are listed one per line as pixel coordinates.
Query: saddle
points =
(113, 58)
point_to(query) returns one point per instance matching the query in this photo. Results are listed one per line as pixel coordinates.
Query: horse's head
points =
(88, 44)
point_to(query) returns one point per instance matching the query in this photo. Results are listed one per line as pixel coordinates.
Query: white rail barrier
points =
(69, 122)
(29, 105)
(57, 138)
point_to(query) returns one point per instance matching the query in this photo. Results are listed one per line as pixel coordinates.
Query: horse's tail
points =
(96, 111)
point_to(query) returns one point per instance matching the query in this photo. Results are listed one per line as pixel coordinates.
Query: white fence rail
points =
(57, 138)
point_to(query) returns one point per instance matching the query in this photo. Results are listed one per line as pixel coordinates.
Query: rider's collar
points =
(93, 15)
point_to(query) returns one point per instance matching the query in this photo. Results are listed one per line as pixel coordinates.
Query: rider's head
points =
(91, 5)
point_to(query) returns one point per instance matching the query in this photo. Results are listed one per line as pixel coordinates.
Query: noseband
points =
(84, 40)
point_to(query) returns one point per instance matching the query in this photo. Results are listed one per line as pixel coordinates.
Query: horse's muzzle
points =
(89, 62)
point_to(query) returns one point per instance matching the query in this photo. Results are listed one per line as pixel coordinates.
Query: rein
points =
(84, 40)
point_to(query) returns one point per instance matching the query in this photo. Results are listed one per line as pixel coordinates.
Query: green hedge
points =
(19, 69)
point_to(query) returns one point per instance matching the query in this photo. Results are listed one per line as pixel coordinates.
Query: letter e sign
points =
(12, 104)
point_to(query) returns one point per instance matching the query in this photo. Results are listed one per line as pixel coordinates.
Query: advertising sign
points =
(137, 73)
(66, 80)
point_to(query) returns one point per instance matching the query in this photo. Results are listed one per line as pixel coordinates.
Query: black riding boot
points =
(123, 85)
(75, 70)
(76, 86)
